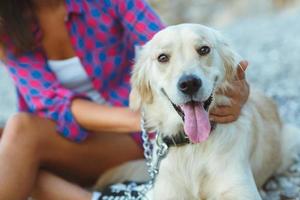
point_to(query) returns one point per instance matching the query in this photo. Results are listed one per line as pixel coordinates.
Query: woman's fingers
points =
(242, 66)
(237, 89)
(221, 111)
(223, 119)
(224, 114)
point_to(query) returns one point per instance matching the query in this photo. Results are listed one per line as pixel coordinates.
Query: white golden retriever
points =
(184, 65)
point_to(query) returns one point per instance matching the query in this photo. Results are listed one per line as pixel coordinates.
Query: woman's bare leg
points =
(29, 143)
(18, 161)
(51, 187)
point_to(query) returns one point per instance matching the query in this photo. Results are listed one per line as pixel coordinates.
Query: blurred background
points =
(218, 13)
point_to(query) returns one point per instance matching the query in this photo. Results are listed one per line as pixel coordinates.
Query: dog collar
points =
(181, 138)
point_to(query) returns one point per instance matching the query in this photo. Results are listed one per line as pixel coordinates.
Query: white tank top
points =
(71, 74)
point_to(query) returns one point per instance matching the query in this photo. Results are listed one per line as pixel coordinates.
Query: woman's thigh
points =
(87, 160)
(80, 162)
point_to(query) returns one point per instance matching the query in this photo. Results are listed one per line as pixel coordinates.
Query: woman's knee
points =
(19, 123)
(22, 128)
(19, 120)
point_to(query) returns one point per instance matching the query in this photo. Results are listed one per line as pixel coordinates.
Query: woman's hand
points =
(239, 94)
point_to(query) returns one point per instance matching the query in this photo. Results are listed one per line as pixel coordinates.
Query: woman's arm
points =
(41, 93)
(140, 23)
(102, 118)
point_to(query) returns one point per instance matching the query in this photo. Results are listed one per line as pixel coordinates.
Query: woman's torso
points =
(62, 59)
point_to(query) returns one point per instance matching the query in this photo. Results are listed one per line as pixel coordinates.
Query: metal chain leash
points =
(160, 150)
(153, 165)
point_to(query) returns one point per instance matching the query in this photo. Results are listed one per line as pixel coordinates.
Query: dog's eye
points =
(163, 58)
(204, 50)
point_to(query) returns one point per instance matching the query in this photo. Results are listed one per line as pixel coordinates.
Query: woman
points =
(70, 61)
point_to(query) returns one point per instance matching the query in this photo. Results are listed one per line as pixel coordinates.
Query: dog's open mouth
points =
(195, 117)
(196, 120)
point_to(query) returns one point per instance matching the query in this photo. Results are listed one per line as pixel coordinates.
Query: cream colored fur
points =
(238, 157)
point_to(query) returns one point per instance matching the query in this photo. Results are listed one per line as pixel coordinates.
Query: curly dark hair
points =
(16, 20)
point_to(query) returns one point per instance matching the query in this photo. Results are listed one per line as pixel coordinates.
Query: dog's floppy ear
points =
(141, 91)
(230, 58)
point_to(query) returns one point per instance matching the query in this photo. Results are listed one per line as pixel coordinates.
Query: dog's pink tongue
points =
(196, 122)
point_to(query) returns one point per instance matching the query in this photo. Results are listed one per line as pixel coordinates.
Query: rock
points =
(274, 195)
(263, 194)
(296, 180)
(295, 169)
(290, 193)
(271, 185)
(284, 182)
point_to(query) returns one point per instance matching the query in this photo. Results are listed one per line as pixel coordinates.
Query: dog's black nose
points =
(189, 84)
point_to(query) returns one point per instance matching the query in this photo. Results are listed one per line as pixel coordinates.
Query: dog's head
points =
(183, 65)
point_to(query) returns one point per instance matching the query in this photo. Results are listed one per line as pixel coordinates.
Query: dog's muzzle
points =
(181, 138)
(206, 103)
